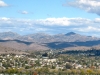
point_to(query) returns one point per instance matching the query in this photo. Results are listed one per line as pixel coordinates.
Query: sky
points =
(50, 16)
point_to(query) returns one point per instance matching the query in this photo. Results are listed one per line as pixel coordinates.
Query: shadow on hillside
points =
(60, 45)
(18, 41)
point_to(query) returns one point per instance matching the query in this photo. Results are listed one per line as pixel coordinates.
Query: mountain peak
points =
(9, 32)
(8, 35)
(70, 33)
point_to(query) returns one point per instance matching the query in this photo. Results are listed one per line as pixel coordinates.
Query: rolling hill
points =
(43, 41)
(8, 50)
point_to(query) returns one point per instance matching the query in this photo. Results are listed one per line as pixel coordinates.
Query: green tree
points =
(68, 66)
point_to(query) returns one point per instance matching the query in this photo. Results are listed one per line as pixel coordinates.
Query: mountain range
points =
(43, 41)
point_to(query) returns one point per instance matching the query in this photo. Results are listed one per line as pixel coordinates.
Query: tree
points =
(45, 54)
(68, 66)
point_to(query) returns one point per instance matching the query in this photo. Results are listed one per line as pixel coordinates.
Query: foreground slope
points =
(23, 45)
(8, 50)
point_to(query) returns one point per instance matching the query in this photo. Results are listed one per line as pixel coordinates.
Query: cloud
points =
(5, 18)
(50, 25)
(54, 21)
(3, 4)
(91, 6)
(24, 12)
(88, 29)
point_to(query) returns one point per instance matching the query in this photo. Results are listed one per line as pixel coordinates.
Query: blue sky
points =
(50, 16)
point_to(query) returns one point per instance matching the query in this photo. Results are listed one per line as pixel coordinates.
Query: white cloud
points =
(55, 21)
(24, 12)
(5, 18)
(92, 6)
(88, 29)
(3, 4)
(51, 25)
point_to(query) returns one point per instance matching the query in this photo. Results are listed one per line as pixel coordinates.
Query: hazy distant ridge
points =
(46, 38)
(43, 41)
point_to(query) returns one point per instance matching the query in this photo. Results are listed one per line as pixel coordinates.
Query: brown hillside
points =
(8, 50)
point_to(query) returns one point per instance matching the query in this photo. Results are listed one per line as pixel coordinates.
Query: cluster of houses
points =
(19, 61)
(40, 61)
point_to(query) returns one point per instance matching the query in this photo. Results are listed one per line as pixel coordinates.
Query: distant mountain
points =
(70, 33)
(43, 41)
(69, 37)
(37, 37)
(8, 35)
(46, 38)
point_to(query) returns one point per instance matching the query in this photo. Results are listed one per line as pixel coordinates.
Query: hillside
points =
(8, 50)
(43, 41)
(22, 45)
